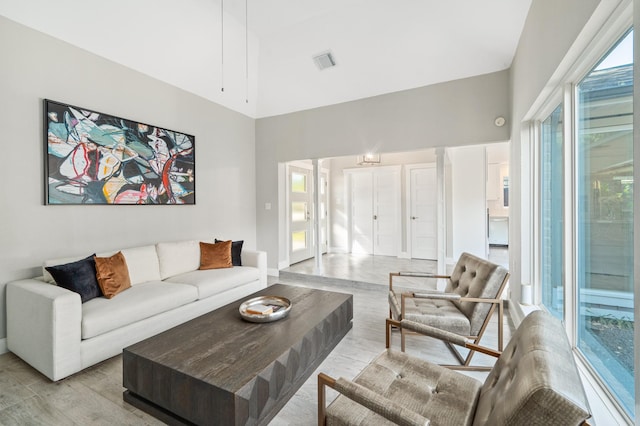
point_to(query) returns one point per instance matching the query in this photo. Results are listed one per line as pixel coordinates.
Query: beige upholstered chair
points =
(534, 382)
(473, 292)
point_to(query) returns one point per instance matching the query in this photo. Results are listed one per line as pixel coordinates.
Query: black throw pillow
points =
(79, 277)
(236, 251)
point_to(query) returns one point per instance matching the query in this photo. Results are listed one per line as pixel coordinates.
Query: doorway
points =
(374, 200)
(300, 214)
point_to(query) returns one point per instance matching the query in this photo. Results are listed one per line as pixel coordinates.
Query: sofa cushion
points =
(79, 277)
(112, 274)
(142, 301)
(214, 281)
(215, 256)
(236, 251)
(178, 257)
(142, 263)
(55, 262)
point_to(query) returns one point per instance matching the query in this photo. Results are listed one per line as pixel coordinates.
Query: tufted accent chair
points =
(472, 293)
(534, 382)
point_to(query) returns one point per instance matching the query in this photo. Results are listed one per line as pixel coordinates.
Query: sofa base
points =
(109, 344)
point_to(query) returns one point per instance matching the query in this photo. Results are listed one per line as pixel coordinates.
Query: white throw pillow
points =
(178, 257)
(142, 263)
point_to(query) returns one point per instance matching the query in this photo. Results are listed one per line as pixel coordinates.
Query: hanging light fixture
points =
(222, 45)
(246, 49)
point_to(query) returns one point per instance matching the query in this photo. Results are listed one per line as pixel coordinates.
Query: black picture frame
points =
(97, 158)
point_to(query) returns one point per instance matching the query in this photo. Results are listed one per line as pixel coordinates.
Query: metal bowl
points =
(282, 304)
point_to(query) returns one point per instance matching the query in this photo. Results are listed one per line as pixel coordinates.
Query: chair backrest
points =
(535, 380)
(476, 277)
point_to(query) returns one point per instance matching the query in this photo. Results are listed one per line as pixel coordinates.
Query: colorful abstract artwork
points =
(95, 158)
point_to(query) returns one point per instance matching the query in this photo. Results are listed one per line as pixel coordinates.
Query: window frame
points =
(564, 92)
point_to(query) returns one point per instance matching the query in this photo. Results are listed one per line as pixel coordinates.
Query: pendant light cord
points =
(246, 49)
(222, 45)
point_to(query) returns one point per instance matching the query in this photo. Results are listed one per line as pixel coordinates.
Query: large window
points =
(551, 213)
(585, 219)
(604, 220)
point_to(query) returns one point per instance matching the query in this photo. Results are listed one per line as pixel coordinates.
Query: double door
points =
(374, 196)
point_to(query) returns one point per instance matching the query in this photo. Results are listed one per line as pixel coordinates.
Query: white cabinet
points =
(499, 230)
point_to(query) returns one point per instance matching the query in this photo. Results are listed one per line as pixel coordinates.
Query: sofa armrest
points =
(44, 326)
(257, 259)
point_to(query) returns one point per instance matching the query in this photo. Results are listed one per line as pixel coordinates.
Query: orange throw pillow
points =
(215, 256)
(113, 274)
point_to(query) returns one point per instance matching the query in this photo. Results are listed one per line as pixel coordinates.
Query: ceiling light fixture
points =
(324, 60)
(368, 159)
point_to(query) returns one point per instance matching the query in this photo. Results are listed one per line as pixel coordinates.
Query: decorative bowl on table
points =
(265, 308)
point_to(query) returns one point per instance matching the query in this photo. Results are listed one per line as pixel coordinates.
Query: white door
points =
(423, 213)
(300, 214)
(375, 205)
(386, 202)
(361, 213)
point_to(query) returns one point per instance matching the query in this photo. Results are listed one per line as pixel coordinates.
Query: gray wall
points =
(36, 66)
(455, 113)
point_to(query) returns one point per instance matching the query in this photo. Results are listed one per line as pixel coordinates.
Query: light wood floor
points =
(94, 396)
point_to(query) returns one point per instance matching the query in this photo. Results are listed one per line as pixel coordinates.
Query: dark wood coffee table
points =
(219, 369)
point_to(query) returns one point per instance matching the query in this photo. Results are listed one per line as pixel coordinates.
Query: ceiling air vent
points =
(324, 60)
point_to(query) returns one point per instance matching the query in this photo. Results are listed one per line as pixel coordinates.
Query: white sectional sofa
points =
(49, 327)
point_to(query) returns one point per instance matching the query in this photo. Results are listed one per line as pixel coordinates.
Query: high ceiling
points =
(380, 46)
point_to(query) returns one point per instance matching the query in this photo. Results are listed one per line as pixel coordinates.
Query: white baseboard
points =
(3, 346)
(283, 264)
(273, 272)
(403, 255)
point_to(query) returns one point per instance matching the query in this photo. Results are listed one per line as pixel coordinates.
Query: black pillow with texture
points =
(79, 277)
(236, 251)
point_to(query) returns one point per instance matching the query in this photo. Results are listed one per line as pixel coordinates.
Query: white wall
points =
(468, 210)
(36, 66)
(456, 113)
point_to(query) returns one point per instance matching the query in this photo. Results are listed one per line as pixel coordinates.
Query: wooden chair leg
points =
(323, 381)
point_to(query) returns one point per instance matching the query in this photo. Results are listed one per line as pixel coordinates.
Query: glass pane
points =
(298, 240)
(298, 182)
(298, 211)
(605, 220)
(551, 213)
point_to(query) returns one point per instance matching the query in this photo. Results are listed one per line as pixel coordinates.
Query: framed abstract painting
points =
(96, 158)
